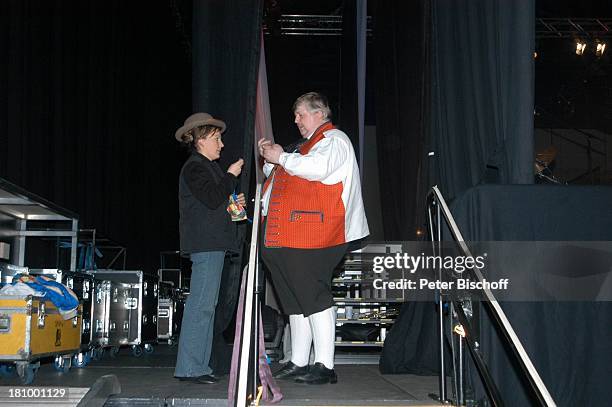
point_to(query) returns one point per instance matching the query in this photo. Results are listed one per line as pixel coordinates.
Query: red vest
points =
(304, 214)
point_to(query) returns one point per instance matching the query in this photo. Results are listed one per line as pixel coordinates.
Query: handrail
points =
(435, 197)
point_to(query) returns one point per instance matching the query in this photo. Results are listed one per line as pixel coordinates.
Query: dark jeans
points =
(195, 341)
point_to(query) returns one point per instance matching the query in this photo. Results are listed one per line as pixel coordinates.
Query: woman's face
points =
(211, 145)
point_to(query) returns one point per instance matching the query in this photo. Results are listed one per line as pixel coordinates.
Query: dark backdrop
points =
(482, 93)
(347, 117)
(297, 65)
(565, 340)
(226, 48)
(400, 73)
(93, 92)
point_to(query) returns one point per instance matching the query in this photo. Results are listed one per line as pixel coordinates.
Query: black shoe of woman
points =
(204, 379)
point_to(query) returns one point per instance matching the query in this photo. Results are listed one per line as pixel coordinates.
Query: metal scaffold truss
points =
(307, 25)
(331, 25)
(578, 28)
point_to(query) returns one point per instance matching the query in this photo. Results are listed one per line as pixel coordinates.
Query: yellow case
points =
(31, 328)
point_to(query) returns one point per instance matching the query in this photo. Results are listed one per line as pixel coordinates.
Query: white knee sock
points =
(323, 325)
(301, 339)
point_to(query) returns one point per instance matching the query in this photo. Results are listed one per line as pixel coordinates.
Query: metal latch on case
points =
(5, 323)
(131, 303)
(41, 315)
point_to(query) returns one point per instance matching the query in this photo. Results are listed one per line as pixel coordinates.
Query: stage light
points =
(601, 47)
(580, 47)
(535, 54)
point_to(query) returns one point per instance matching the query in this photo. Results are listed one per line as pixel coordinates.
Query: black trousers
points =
(302, 277)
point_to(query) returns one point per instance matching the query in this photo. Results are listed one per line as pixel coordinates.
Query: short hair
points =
(314, 101)
(190, 138)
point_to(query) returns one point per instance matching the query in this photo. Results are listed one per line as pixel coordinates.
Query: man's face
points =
(307, 121)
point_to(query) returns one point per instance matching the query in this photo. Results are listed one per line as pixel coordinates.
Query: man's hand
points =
(236, 168)
(270, 152)
(261, 143)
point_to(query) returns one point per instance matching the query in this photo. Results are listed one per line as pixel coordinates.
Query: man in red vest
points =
(312, 207)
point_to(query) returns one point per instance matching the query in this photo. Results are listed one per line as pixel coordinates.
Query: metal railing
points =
(438, 213)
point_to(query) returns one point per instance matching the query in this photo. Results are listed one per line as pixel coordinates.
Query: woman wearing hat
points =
(206, 233)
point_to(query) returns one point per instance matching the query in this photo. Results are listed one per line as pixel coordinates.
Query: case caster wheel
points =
(137, 350)
(7, 370)
(149, 349)
(62, 363)
(81, 359)
(113, 352)
(27, 372)
(97, 353)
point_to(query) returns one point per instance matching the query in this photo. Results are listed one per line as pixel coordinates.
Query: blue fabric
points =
(195, 341)
(87, 254)
(60, 295)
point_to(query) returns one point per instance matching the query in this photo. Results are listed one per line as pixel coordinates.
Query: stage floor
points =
(148, 381)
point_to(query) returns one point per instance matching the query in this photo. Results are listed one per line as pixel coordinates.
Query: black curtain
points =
(297, 65)
(482, 92)
(226, 49)
(567, 341)
(564, 340)
(348, 118)
(93, 92)
(400, 30)
(226, 41)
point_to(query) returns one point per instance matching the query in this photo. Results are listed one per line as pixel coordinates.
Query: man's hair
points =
(314, 102)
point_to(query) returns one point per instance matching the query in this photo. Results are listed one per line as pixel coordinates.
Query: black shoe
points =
(204, 379)
(318, 374)
(290, 370)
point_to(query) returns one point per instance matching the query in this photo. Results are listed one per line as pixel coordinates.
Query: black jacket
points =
(204, 189)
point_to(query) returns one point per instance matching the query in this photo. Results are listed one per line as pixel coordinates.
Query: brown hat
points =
(198, 119)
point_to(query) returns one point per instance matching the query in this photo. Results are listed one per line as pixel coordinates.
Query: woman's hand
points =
(236, 168)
